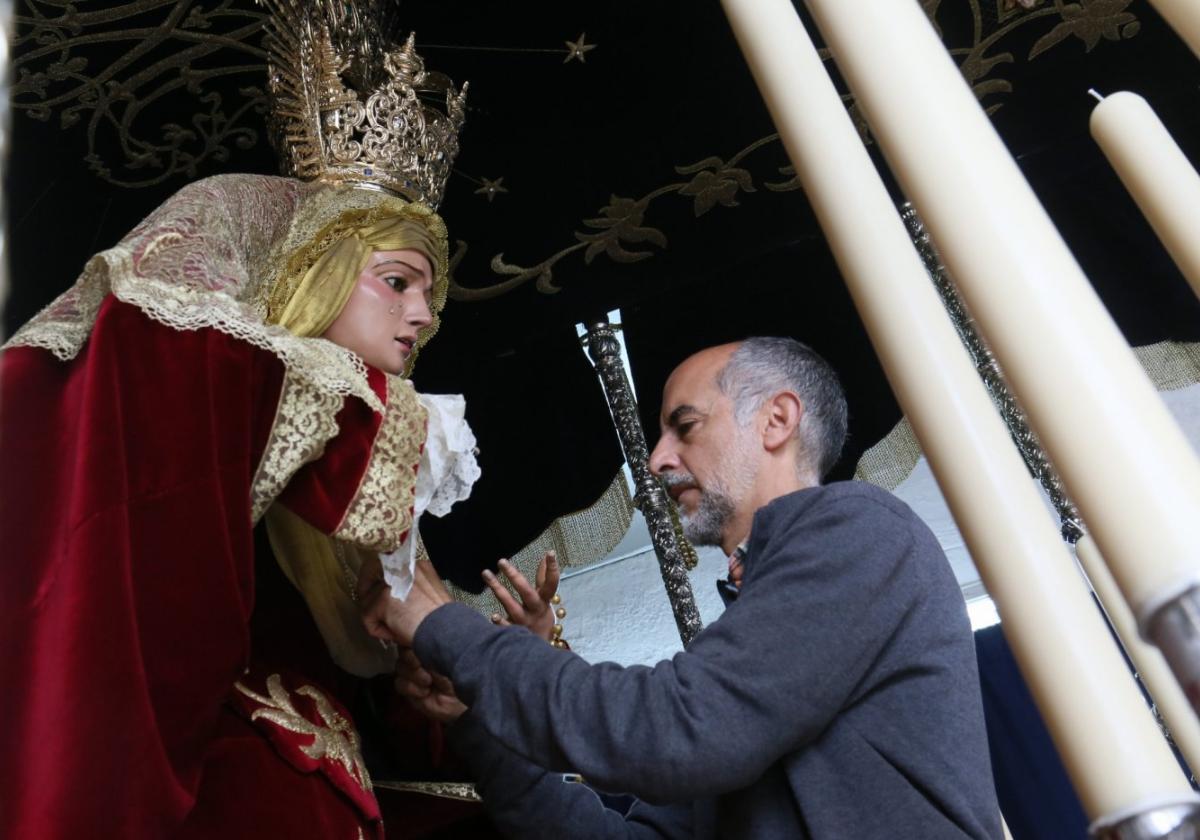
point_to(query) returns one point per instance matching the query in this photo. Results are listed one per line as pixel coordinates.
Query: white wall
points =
(617, 610)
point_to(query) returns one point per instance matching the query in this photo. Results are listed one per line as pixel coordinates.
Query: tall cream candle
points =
(1123, 460)
(1154, 671)
(1156, 172)
(1113, 751)
(1184, 18)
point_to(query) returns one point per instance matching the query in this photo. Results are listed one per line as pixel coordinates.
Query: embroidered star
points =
(576, 49)
(491, 188)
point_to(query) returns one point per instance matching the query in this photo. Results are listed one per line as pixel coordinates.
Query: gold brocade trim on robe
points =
(305, 420)
(382, 510)
(336, 740)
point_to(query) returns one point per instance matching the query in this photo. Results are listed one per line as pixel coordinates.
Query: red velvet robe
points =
(126, 590)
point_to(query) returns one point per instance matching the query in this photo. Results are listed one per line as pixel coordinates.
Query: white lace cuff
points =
(447, 473)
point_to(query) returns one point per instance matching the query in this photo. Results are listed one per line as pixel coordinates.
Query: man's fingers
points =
(418, 677)
(510, 604)
(370, 577)
(426, 577)
(411, 690)
(529, 596)
(548, 576)
(442, 684)
(374, 614)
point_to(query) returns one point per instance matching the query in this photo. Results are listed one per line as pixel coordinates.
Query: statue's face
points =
(389, 305)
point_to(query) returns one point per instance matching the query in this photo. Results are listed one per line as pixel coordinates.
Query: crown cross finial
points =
(349, 107)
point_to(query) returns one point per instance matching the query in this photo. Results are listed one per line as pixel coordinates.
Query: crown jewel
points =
(348, 106)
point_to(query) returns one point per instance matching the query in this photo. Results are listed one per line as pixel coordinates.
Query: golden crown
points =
(348, 106)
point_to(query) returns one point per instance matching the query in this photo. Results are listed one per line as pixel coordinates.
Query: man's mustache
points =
(677, 482)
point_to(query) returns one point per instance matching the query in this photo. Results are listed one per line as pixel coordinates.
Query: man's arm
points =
(819, 604)
(523, 800)
(518, 795)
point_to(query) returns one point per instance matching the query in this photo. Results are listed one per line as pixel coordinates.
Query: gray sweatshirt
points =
(837, 697)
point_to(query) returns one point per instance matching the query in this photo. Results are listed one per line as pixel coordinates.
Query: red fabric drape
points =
(127, 578)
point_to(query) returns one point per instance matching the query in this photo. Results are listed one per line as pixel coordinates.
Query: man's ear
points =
(783, 414)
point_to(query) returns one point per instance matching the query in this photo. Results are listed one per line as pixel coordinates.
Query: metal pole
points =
(993, 379)
(649, 496)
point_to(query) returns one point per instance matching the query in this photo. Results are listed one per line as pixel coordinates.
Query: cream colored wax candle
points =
(1184, 18)
(1124, 461)
(1150, 665)
(1113, 751)
(1157, 174)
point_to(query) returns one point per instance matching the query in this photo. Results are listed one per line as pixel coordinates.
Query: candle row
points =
(1128, 467)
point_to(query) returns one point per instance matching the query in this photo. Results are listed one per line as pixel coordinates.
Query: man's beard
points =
(718, 501)
(707, 524)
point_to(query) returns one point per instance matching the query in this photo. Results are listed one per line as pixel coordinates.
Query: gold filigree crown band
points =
(348, 106)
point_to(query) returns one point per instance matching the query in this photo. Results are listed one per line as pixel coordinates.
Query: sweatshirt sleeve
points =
(525, 800)
(823, 594)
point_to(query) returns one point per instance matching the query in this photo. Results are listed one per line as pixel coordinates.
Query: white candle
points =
(1114, 753)
(1184, 18)
(1157, 174)
(1172, 704)
(1120, 454)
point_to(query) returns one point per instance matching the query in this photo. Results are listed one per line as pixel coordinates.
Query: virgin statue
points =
(203, 441)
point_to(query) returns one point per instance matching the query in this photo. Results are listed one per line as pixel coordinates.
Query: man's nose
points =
(663, 458)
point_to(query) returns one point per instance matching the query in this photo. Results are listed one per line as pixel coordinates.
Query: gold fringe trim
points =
(579, 539)
(1169, 364)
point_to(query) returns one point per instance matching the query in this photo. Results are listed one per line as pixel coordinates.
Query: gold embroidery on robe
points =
(336, 740)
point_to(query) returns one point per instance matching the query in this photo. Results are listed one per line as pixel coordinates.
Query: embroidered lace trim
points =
(207, 258)
(305, 422)
(381, 514)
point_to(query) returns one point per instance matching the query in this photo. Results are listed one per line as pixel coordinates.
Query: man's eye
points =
(683, 428)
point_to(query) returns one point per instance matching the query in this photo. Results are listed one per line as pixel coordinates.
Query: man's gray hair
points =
(762, 367)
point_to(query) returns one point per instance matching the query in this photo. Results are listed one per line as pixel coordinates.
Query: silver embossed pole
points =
(649, 495)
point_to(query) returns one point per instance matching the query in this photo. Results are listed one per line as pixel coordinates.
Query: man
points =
(836, 697)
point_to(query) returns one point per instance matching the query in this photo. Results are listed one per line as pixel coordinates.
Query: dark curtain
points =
(1036, 797)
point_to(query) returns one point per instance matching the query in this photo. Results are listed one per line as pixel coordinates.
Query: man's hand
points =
(535, 610)
(430, 694)
(392, 620)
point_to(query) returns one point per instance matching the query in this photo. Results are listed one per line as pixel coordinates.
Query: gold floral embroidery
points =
(336, 740)
(381, 512)
(304, 422)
